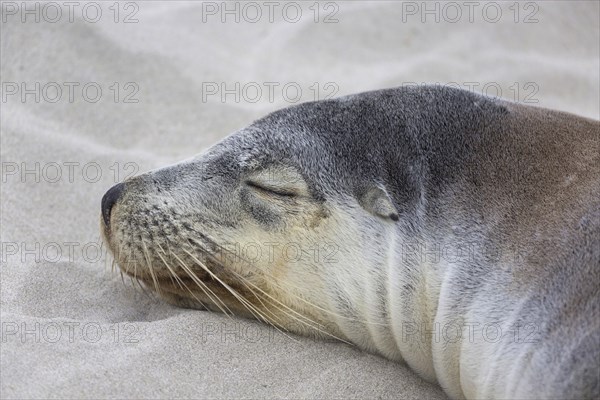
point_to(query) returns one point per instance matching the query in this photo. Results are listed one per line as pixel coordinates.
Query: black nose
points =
(109, 199)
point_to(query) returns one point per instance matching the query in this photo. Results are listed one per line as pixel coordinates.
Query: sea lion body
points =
(463, 234)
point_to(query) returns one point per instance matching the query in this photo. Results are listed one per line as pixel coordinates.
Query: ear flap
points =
(376, 201)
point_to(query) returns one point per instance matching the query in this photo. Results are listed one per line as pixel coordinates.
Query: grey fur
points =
(459, 169)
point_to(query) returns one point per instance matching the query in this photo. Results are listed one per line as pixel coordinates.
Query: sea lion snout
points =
(109, 199)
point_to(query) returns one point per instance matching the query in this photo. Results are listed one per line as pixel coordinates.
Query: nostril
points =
(109, 199)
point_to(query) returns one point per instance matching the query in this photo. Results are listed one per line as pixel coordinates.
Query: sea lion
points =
(455, 232)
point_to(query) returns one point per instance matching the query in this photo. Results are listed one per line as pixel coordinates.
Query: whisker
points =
(203, 286)
(172, 273)
(122, 278)
(286, 307)
(180, 282)
(150, 268)
(288, 289)
(317, 328)
(240, 298)
(243, 281)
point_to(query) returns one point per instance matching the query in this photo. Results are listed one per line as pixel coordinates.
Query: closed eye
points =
(270, 190)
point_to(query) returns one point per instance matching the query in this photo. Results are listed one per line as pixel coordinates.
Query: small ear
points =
(376, 201)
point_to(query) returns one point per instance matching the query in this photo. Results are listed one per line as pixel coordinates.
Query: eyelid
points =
(271, 190)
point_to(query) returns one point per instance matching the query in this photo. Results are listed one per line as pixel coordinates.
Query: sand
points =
(70, 327)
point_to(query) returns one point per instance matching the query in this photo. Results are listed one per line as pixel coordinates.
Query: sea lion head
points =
(283, 220)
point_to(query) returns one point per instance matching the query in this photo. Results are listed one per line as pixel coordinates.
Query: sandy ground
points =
(70, 328)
